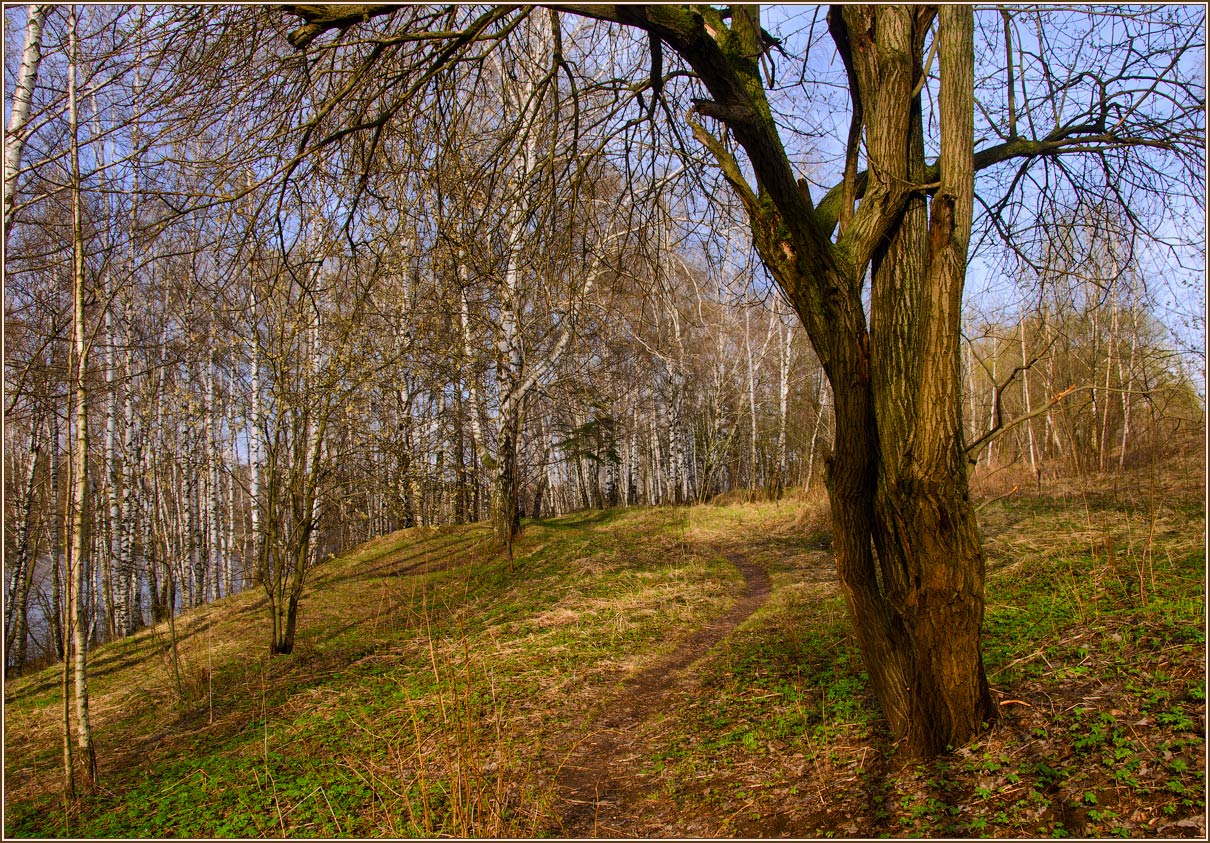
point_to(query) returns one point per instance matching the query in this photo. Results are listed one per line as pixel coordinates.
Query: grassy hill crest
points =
(437, 689)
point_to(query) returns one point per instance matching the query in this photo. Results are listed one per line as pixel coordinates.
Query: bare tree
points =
(897, 478)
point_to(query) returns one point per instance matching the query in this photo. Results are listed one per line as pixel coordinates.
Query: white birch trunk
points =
(78, 567)
(57, 521)
(195, 534)
(783, 403)
(657, 482)
(820, 392)
(471, 384)
(752, 478)
(115, 594)
(233, 461)
(17, 592)
(1126, 378)
(129, 514)
(254, 434)
(213, 500)
(127, 595)
(18, 119)
(1029, 424)
(314, 441)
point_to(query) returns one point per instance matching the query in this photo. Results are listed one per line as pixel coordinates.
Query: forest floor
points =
(667, 672)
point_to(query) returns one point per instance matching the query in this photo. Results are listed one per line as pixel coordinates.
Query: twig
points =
(1000, 429)
(1011, 491)
(1015, 662)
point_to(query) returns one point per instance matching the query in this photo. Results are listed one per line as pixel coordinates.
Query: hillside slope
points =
(658, 672)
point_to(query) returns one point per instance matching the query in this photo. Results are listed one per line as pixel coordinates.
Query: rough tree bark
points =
(897, 478)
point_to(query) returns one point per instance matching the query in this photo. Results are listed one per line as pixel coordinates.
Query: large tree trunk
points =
(897, 479)
(928, 543)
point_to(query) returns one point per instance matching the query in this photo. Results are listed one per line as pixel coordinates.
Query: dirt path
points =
(595, 784)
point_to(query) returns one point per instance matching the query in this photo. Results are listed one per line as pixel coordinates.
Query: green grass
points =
(436, 688)
(395, 684)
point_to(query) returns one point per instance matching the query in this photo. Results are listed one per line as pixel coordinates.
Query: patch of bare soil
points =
(597, 791)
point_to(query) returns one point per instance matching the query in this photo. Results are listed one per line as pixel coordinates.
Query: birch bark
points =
(78, 567)
(17, 593)
(18, 120)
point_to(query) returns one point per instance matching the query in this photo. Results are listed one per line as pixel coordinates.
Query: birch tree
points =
(18, 119)
(78, 555)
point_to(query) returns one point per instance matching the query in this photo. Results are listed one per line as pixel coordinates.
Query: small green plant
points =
(1176, 719)
(1048, 775)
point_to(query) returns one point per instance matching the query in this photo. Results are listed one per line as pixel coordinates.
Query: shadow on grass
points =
(577, 520)
(393, 565)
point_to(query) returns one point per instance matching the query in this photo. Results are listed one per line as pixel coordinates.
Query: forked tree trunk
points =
(925, 531)
(897, 480)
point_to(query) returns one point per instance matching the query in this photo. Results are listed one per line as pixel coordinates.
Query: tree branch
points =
(727, 164)
(1078, 138)
(1000, 429)
(322, 17)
